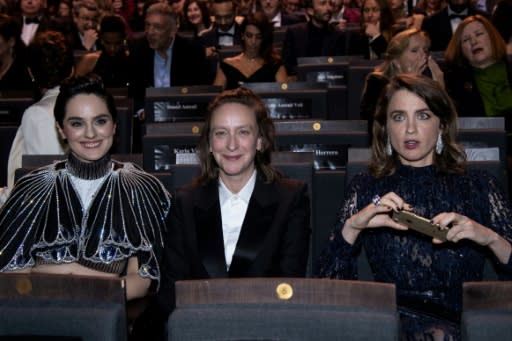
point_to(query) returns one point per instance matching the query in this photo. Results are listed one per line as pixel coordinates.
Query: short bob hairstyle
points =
(452, 159)
(90, 84)
(454, 55)
(266, 130)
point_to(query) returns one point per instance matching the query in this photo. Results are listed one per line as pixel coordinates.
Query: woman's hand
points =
(462, 227)
(437, 73)
(417, 66)
(210, 51)
(376, 214)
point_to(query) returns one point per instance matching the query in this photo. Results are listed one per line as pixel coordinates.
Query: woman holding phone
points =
(416, 166)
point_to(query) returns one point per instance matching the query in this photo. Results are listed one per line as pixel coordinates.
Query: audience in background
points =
(197, 18)
(163, 59)
(345, 12)
(136, 21)
(258, 62)
(276, 14)
(65, 9)
(14, 74)
(407, 52)
(83, 31)
(402, 18)
(376, 30)
(501, 20)
(37, 133)
(478, 75)
(441, 26)
(226, 31)
(313, 38)
(429, 7)
(417, 166)
(293, 6)
(124, 8)
(244, 7)
(33, 19)
(111, 61)
(79, 216)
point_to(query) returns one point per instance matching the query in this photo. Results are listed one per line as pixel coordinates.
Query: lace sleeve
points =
(339, 258)
(500, 220)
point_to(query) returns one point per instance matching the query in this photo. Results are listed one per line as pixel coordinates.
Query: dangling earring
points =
(439, 144)
(389, 149)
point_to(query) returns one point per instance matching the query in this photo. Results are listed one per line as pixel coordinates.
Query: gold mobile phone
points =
(420, 224)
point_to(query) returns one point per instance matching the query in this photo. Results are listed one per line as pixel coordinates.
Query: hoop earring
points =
(439, 144)
(389, 149)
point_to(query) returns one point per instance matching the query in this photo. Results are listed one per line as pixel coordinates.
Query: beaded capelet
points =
(43, 219)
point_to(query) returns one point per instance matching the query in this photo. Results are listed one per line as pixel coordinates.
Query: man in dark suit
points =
(440, 26)
(313, 38)
(84, 27)
(226, 31)
(33, 19)
(162, 59)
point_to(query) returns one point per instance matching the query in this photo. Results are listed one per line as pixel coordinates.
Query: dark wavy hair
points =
(90, 84)
(266, 131)
(266, 28)
(452, 159)
(205, 14)
(11, 29)
(50, 59)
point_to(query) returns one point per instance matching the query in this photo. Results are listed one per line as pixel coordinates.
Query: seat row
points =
(61, 307)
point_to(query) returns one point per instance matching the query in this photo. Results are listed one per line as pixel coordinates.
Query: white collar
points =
(450, 11)
(244, 194)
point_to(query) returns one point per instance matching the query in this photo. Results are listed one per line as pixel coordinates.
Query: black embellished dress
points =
(96, 214)
(428, 276)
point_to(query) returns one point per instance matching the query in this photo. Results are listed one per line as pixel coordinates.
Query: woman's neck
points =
(89, 170)
(250, 57)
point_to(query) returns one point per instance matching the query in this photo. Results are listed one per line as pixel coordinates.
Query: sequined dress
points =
(428, 277)
(96, 214)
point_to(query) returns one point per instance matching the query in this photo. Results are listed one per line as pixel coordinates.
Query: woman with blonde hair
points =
(407, 52)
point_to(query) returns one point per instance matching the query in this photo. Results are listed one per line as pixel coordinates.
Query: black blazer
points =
(273, 242)
(297, 40)
(439, 28)
(288, 19)
(188, 66)
(359, 44)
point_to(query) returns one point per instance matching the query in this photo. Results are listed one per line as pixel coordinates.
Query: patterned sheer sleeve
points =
(339, 258)
(500, 220)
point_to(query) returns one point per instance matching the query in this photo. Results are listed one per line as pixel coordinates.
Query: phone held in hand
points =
(420, 224)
